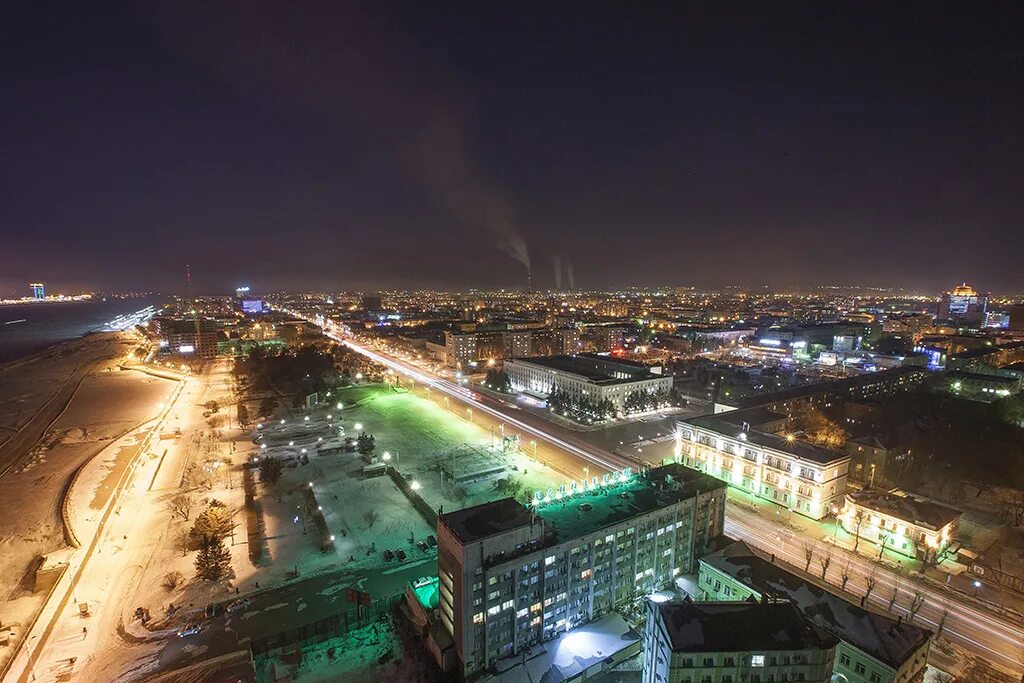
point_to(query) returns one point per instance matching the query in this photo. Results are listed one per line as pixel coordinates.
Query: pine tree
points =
(212, 524)
(213, 560)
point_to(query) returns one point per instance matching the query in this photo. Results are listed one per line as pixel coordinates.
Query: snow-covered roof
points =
(890, 641)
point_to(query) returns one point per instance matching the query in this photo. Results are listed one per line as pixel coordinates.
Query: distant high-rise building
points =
(38, 290)
(963, 304)
(1017, 317)
(373, 302)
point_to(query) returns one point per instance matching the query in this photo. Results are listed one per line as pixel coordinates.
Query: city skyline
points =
(405, 147)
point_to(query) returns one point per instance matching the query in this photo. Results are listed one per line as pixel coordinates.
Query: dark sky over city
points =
(294, 144)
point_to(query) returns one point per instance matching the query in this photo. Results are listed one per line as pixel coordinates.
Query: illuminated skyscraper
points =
(963, 304)
(38, 291)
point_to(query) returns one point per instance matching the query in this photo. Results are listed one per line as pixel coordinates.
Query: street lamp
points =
(359, 426)
(415, 485)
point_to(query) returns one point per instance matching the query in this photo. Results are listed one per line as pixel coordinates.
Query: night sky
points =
(298, 144)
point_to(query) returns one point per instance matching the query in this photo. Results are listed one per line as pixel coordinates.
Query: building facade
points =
(807, 479)
(733, 642)
(873, 648)
(901, 523)
(512, 576)
(589, 376)
(963, 305)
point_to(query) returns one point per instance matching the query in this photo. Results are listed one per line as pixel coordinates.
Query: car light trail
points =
(609, 462)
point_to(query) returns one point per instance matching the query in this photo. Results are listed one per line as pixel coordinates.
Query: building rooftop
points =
(730, 424)
(889, 640)
(606, 506)
(961, 376)
(847, 384)
(489, 519)
(906, 507)
(596, 369)
(739, 627)
(575, 515)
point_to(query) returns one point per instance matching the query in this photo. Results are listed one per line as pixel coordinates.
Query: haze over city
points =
(484, 343)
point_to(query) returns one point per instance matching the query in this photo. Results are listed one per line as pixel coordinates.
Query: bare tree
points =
(858, 522)
(808, 556)
(942, 623)
(1016, 507)
(845, 575)
(181, 504)
(825, 562)
(886, 533)
(197, 477)
(870, 580)
(183, 541)
(916, 604)
(172, 580)
(895, 593)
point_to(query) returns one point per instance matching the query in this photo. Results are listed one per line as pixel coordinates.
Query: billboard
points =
(252, 305)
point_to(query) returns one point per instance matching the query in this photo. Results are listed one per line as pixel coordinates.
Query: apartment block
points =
(873, 647)
(512, 576)
(734, 642)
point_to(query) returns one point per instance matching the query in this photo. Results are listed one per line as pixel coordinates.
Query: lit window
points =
(757, 660)
(478, 618)
(549, 560)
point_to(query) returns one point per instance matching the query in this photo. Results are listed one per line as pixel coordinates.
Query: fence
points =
(334, 625)
(428, 513)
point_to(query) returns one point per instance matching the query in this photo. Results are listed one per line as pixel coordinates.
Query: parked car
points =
(422, 545)
(238, 605)
(190, 629)
(388, 555)
(400, 554)
(431, 541)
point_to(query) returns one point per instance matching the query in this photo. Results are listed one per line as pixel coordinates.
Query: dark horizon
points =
(290, 147)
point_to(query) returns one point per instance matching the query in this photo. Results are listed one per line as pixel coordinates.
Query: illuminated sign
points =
(772, 342)
(186, 348)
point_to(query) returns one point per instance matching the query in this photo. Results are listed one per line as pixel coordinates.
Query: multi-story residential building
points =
(734, 642)
(807, 479)
(900, 522)
(912, 325)
(832, 394)
(512, 576)
(873, 648)
(607, 337)
(192, 338)
(982, 387)
(872, 455)
(516, 343)
(584, 376)
(460, 349)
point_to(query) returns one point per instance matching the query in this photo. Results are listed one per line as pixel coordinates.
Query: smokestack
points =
(529, 279)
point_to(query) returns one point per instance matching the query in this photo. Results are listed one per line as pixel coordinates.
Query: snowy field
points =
(367, 516)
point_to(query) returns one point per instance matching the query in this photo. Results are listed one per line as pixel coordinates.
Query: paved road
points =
(996, 637)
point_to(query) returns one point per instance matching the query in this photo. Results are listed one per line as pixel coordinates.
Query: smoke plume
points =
(362, 76)
(569, 275)
(558, 272)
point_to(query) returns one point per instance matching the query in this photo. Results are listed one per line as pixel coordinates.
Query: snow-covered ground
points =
(364, 654)
(105, 404)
